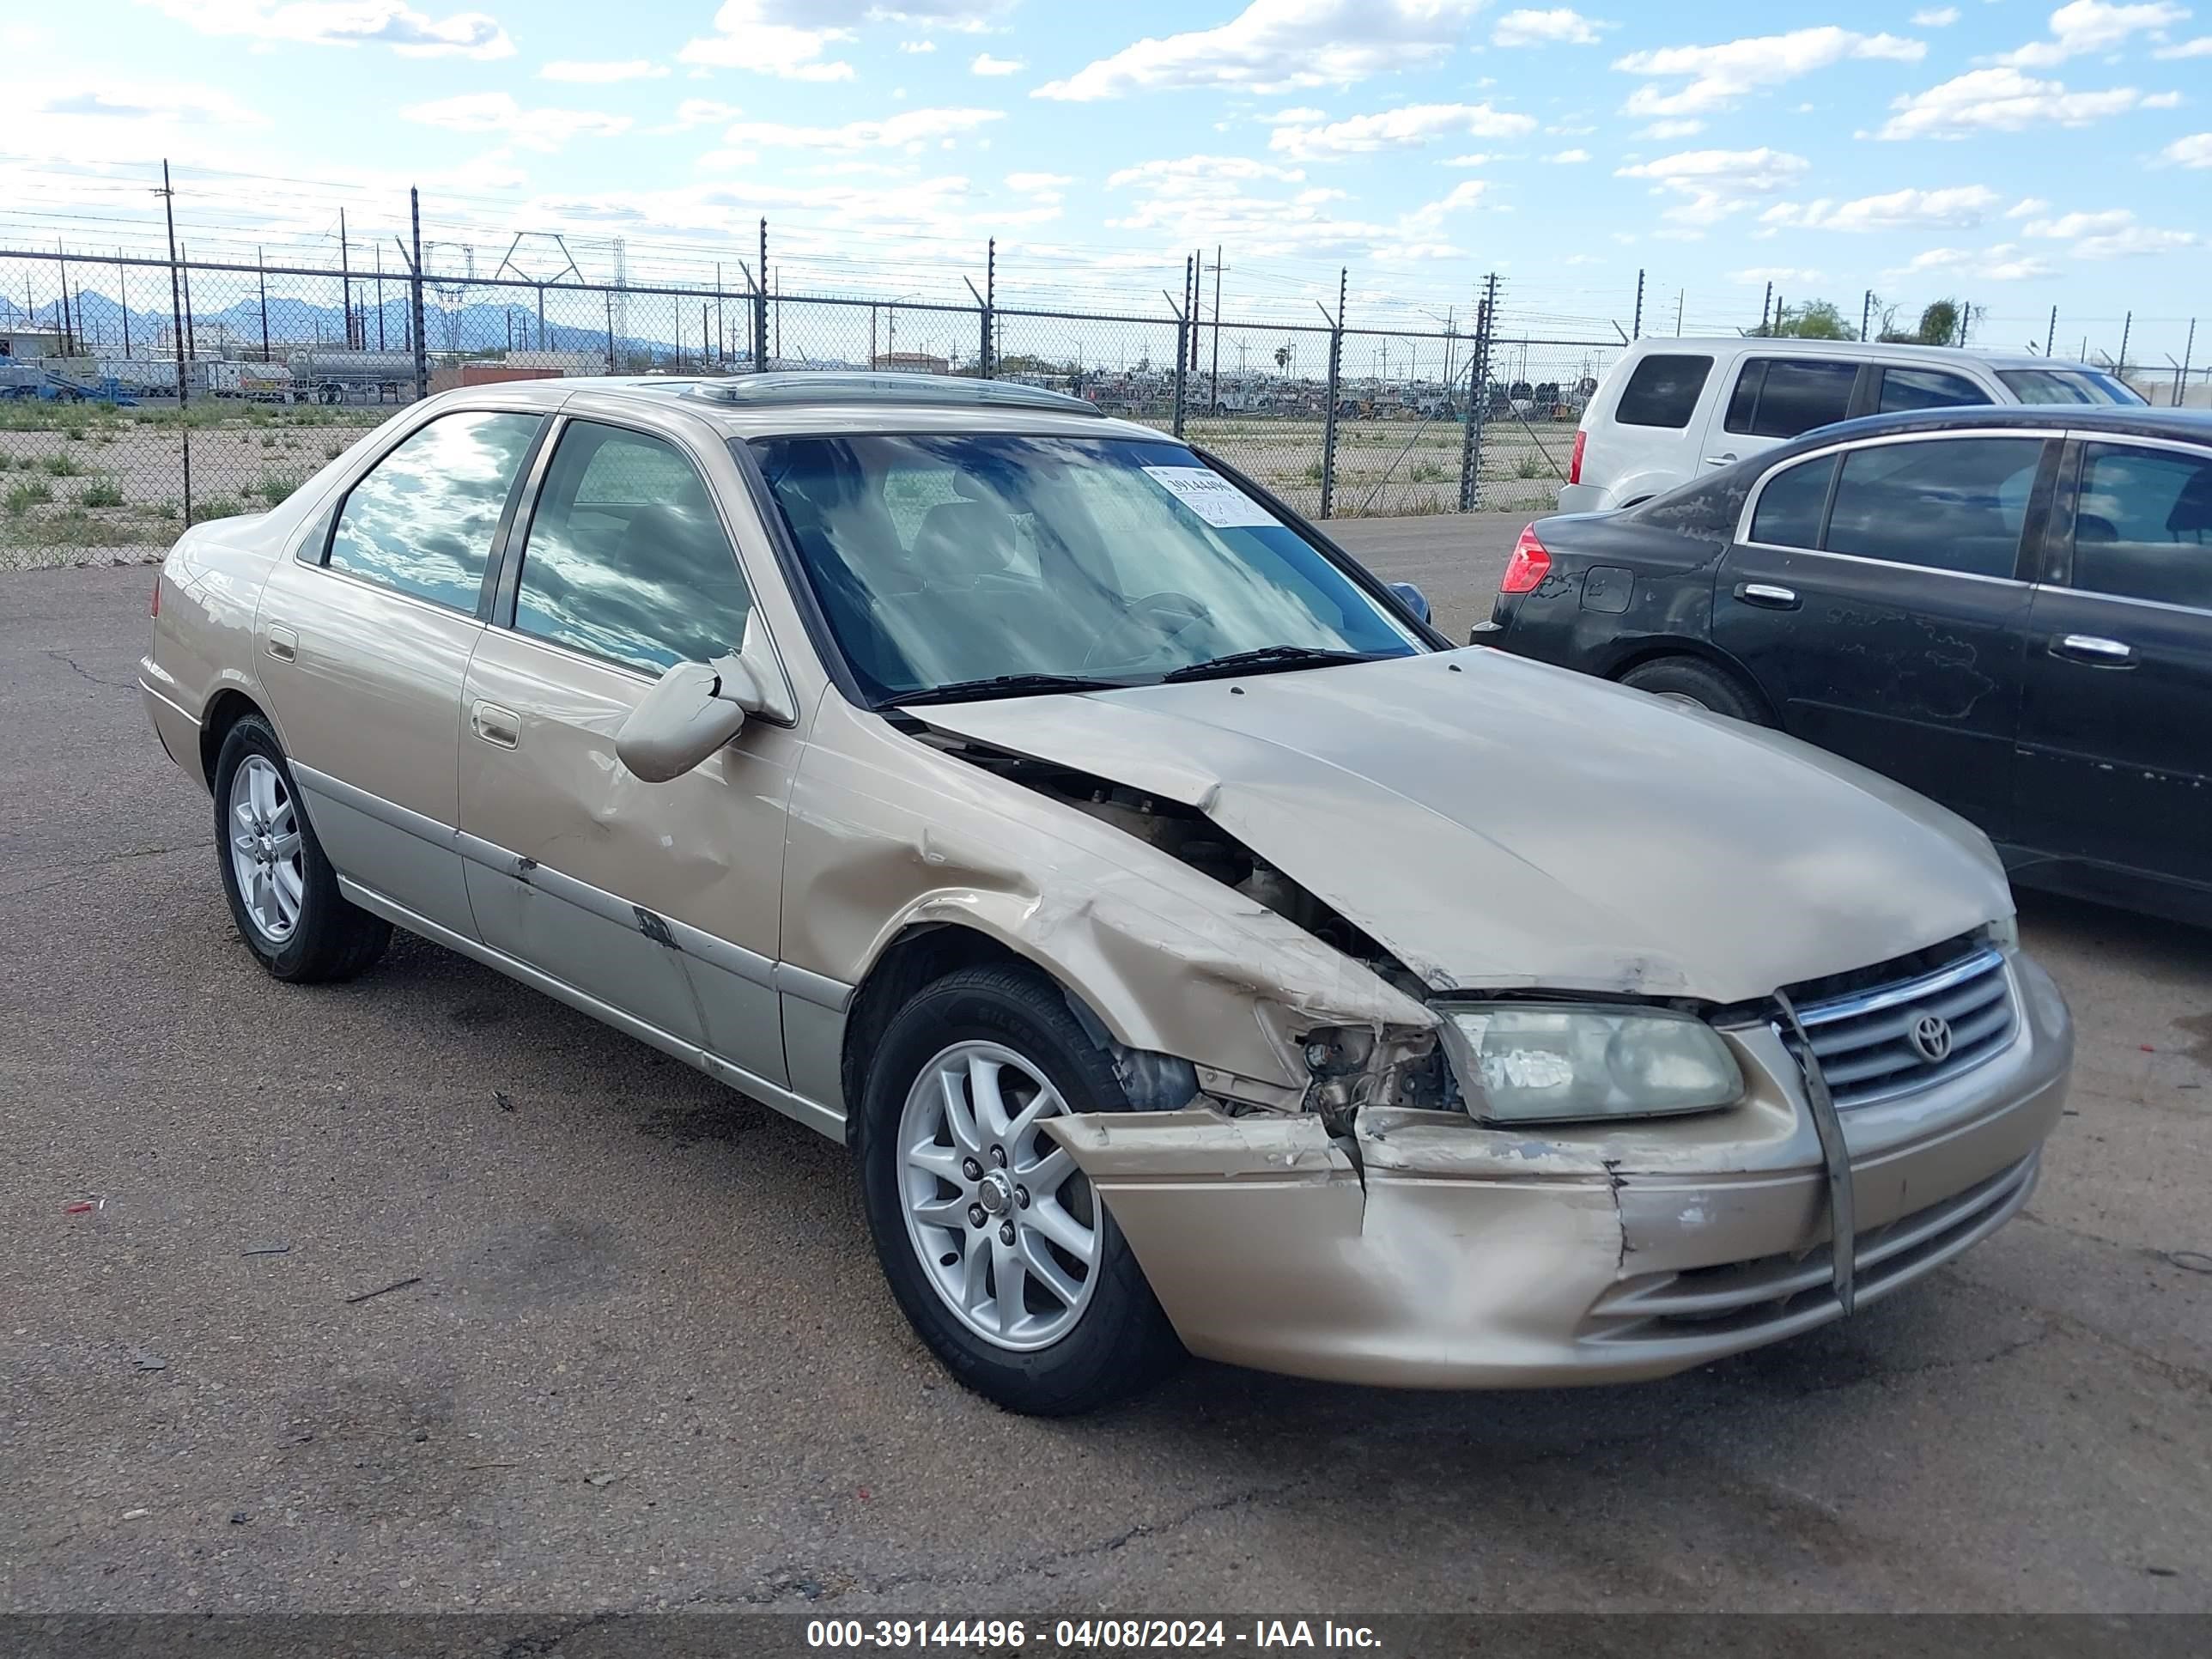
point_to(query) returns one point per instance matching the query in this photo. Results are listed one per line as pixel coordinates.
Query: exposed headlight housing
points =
(1550, 1062)
(2004, 932)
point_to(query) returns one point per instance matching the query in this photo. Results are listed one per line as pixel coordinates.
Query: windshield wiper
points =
(1269, 656)
(1004, 685)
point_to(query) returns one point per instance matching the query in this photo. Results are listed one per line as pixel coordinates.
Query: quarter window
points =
(422, 522)
(1927, 388)
(1663, 390)
(2143, 527)
(1785, 397)
(626, 559)
(1789, 512)
(1947, 504)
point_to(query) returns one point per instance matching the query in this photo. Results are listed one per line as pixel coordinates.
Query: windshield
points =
(1051, 563)
(2066, 385)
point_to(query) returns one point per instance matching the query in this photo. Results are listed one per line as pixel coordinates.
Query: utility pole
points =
(177, 331)
(415, 295)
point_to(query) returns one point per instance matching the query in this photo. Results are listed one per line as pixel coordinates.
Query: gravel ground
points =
(638, 1355)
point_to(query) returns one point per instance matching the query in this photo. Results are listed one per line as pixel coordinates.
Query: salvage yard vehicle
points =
(2009, 610)
(1672, 409)
(1195, 951)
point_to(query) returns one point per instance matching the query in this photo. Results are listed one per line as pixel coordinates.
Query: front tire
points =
(283, 894)
(1039, 1305)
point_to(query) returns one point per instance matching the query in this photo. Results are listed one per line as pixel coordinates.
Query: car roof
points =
(1907, 353)
(830, 401)
(2131, 421)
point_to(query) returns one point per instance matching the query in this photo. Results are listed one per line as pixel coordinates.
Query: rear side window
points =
(2143, 529)
(1784, 397)
(1927, 388)
(1663, 390)
(422, 522)
(1789, 508)
(1953, 504)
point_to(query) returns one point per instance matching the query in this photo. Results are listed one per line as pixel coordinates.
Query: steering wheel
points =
(1167, 613)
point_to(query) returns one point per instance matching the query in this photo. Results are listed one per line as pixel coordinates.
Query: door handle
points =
(2095, 650)
(496, 724)
(283, 644)
(1767, 595)
(1720, 460)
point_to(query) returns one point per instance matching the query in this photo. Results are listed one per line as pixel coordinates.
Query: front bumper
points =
(1451, 1255)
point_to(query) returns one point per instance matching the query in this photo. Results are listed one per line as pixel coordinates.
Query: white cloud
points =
(1208, 167)
(986, 64)
(1712, 184)
(2194, 151)
(632, 69)
(1960, 205)
(1716, 77)
(2004, 262)
(2112, 234)
(1936, 18)
(1674, 127)
(1032, 184)
(1568, 157)
(1999, 100)
(1278, 46)
(912, 47)
(346, 23)
(1758, 273)
(499, 113)
(1478, 160)
(909, 130)
(2200, 47)
(2028, 207)
(1299, 117)
(1558, 27)
(1233, 199)
(750, 36)
(1399, 129)
(158, 102)
(2085, 26)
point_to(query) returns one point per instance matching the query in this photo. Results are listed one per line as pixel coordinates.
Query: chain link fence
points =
(138, 396)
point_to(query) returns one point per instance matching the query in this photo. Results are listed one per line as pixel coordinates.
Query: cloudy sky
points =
(2021, 155)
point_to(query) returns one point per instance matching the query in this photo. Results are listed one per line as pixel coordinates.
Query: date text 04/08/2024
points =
(1003, 1635)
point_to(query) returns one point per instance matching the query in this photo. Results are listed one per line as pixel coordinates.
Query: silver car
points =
(1196, 952)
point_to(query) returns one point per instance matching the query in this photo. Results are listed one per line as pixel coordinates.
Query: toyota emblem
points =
(1931, 1038)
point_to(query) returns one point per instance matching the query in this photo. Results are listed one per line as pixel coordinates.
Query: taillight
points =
(1529, 566)
(1575, 460)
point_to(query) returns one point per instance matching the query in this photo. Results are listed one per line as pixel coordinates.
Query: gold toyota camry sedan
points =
(1195, 951)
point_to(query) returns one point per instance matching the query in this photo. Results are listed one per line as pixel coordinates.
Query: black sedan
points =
(2008, 610)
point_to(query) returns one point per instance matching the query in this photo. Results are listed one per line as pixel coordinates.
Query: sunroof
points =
(829, 386)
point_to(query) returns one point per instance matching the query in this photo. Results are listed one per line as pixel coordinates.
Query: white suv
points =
(1673, 408)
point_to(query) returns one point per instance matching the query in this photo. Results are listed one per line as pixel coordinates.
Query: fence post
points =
(1182, 347)
(991, 309)
(2051, 334)
(1866, 313)
(1335, 375)
(414, 297)
(609, 296)
(760, 305)
(1478, 398)
(1636, 329)
(2181, 374)
(177, 335)
(2127, 327)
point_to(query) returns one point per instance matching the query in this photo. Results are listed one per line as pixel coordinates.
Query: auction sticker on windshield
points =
(1210, 496)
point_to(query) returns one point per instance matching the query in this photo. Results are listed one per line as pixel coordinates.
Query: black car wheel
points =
(1701, 685)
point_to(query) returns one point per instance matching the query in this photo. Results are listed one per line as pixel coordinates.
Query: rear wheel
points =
(996, 1247)
(283, 894)
(1699, 685)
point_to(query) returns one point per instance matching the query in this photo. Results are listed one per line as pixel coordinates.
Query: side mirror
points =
(695, 709)
(1414, 599)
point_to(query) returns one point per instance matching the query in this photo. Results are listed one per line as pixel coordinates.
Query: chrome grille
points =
(1866, 1042)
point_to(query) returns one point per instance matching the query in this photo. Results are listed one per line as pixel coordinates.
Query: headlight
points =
(1530, 1062)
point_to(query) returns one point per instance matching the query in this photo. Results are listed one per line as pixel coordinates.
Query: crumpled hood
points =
(1499, 822)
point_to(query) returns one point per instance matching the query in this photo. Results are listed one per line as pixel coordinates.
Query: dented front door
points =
(658, 899)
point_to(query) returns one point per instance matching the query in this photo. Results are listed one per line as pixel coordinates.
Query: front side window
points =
(1953, 504)
(1793, 396)
(1789, 508)
(626, 559)
(942, 561)
(1663, 390)
(422, 522)
(2142, 529)
(1927, 388)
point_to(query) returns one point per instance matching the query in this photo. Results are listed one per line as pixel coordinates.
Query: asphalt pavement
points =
(424, 1292)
